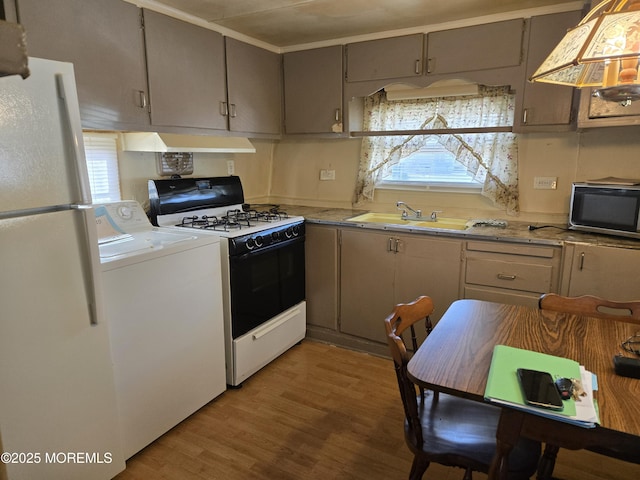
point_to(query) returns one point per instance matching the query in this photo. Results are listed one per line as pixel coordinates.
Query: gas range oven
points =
(262, 265)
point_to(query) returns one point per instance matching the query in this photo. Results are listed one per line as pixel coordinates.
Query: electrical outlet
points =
(231, 167)
(327, 174)
(545, 183)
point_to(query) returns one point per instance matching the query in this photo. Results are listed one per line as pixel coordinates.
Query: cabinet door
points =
(546, 104)
(321, 275)
(186, 73)
(606, 272)
(596, 112)
(104, 41)
(427, 266)
(385, 58)
(313, 90)
(493, 45)
(367, 270)
(254, 88)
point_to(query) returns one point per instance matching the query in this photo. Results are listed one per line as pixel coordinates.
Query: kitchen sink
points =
(395, 219)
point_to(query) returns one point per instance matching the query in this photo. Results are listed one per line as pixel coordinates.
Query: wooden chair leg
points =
(547, 462)
(418, 467)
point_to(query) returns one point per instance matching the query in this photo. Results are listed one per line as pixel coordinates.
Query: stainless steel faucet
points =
(405, 215)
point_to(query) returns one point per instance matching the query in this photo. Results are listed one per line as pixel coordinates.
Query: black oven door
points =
(265, 283)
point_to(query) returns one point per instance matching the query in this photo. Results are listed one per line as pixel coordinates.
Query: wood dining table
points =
(456, 356)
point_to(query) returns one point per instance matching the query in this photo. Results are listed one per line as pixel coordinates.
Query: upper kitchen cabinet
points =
(254, 89)
(104, 41)
(596, 112)
(480, 47)
(546, 106)
(313, 91)
(386, 58)
(186, 73)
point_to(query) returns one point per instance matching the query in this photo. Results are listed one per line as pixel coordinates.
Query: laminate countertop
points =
(514, 231)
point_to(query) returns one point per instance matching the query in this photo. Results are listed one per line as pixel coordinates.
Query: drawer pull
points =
(502, 276)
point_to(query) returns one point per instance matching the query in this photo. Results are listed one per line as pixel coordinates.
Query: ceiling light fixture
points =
(602, 51)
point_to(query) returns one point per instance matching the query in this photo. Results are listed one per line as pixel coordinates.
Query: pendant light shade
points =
(602, 51)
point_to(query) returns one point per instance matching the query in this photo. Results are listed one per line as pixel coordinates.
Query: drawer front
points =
(509, 275)
(491, 294)
(513, 249)
(255, 349)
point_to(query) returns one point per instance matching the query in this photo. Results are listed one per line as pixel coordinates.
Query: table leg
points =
(547, 462)
(507, 436)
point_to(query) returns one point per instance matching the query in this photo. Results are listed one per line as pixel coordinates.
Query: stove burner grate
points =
(233, 219)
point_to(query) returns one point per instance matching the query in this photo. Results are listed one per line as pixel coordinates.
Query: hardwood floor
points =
(318, 412)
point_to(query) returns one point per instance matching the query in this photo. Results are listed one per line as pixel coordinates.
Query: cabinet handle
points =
(224, 109)
(524, 115)
(417, 69)
(143, 98)
(232, 110)
(581, 260)
(393, 245)
(337, 115)
(502, 276)
(430, 62)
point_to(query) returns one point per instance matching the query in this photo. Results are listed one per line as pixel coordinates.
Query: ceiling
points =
(285, 23)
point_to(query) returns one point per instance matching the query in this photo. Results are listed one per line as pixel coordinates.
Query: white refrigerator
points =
(58, 413)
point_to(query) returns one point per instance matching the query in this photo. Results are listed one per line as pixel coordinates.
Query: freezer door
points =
(41, 146)
(58, 397)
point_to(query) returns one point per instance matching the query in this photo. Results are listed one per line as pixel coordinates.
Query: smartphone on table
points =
(539, 389)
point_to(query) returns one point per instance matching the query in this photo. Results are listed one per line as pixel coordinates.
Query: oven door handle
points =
(265, 250)
(261, 332)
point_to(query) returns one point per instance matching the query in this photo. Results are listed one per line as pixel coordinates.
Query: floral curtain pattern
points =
(490, 157)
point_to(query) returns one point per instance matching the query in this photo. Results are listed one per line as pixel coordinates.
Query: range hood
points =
(171, 142)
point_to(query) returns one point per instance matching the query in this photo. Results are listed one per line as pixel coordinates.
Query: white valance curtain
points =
(490, 157)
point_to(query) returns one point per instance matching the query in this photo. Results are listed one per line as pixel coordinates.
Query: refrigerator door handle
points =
(74, 133)
(90, 258)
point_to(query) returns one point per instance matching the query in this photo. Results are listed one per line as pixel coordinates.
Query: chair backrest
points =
(592, 306)
(404, 316)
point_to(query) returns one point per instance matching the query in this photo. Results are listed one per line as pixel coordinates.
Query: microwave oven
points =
(609, 209)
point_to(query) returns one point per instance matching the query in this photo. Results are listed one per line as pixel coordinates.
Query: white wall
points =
(569, 156)
(254, 169)
(288, 172)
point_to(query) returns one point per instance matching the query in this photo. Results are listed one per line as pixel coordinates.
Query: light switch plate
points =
(545, 183)
(327, 174)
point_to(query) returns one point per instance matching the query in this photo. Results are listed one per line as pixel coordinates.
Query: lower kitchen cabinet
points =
(321, 275)
(607, 272)
(380, 270)
(510, 273)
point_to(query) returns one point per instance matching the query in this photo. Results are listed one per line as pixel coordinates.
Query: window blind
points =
(102, 163)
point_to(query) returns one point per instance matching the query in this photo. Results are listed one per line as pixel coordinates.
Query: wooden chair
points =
(594, 307)
(591, 306)
(443, 428)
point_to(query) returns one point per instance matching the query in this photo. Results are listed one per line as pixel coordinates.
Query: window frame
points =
(102, 147)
